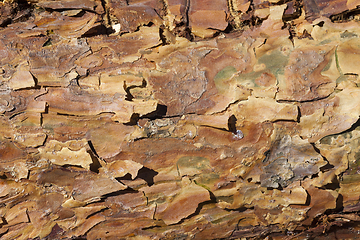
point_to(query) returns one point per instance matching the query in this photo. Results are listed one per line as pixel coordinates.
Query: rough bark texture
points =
(179, 119)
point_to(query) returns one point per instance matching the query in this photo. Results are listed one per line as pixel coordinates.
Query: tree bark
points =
(179, 119)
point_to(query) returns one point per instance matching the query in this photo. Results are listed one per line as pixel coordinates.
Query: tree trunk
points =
(179, 119)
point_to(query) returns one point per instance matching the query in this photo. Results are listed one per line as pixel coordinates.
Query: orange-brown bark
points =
(179, 119)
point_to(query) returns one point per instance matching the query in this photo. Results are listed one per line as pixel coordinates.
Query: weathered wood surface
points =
(179, 119)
